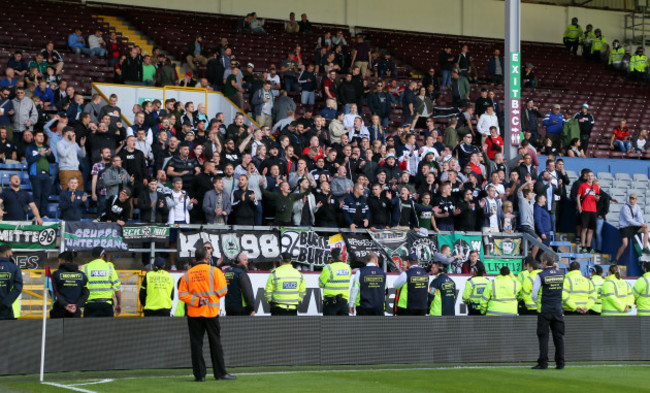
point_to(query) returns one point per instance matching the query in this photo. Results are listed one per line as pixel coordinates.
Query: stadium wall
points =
(481, 18)
(147, 343)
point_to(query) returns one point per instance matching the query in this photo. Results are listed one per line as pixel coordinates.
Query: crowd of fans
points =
(326, 168)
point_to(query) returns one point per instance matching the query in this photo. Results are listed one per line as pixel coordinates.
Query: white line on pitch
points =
(93, 382)
(73, 388)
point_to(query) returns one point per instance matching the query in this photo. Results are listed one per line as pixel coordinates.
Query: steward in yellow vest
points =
(157, 291)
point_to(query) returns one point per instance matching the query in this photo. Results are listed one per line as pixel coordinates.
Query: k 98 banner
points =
(259, 246)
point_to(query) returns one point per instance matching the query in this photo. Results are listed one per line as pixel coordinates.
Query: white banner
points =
(312, 304)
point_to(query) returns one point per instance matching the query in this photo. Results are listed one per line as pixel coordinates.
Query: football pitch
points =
(577, 377)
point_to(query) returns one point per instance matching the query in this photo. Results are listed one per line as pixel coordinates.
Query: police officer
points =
(239, 300)
(521, 278)
(597, 280)
(368, 291)
(201, 289)
(638, 65)
(157, 291)
(641, 292)
(571, 36)
(578, 294)
(11, 284)
(500, 296)
(285, 288)
(527, 288)
(411, 298)
(616, 56)
(616, 294)
(547, 292)
(474, 291)
(442, 291)
(102, 283)
(335, 281)
(71, 288)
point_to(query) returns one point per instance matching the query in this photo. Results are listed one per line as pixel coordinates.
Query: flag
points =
(49, 286)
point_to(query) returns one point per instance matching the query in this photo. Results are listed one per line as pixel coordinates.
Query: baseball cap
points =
(557, 106)
(405, 124)
(188, 74)
(286, 256)
(634, 195)
(187, 122)
(390, 155)
(160, 262)
(336, 253)
(250, 65)
(190, 132)
(585, 105)
(412, 257)
(530, 65)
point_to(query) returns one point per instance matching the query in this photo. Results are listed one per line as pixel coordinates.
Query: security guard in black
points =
(71, 288)
(548, 284)
(239, 299)
(11, 283)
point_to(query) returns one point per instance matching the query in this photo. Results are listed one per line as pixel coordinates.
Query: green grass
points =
(592, 378)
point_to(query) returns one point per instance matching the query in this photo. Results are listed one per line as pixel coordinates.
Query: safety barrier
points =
(34, 281)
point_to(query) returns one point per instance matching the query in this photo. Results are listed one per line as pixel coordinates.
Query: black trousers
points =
(370, 311)
(163, 312)
(406, 311)
(98, 310)
(198, 326)
(275, 311)
(237, 311)
(335, 306)
(473, 309)
(60, 312)
(554, 323)
(584, 142)
(572, 46)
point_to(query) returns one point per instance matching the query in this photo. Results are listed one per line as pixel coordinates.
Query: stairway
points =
(128, 31)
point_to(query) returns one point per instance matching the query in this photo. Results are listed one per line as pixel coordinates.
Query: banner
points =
(493, 265)
(28, 236)
(397, 244)
(145, 233)
(30, 261)
(499, 245)
(86, 235)
(259, 246)
(307, 246)
(359, 246)
(461, 245)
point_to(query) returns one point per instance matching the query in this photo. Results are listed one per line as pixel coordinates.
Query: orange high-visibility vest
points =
(203, 281)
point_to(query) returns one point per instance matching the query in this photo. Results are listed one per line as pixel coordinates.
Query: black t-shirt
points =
(446, 204)
(7, 148)
(233, 157)
(16, 204)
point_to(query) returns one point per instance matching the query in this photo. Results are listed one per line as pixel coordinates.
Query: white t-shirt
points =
(275, 80)
(492, 208)
(179, 208)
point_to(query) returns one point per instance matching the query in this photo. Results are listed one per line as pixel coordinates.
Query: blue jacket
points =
(71, 211)
(542, 220)
(32, 155)
(45, 96)
(492, 66)
(553, 128)
(73, 111)
(350, 206)
(73, 43)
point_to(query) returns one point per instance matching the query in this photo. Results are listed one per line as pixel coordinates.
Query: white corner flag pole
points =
(44, 329)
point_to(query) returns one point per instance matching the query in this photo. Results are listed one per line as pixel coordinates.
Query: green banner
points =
(461, 245)
(493, 265)
(145, 233)
(35, 237)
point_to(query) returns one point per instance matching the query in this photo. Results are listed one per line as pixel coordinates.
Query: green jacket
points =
(284, 204)
(570, 130)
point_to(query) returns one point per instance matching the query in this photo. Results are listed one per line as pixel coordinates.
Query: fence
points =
(32, 296)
